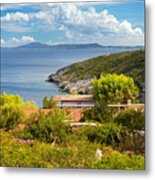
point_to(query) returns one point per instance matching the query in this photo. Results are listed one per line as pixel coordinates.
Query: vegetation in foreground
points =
(46, 140)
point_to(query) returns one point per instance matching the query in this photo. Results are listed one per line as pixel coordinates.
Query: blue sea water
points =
(24, 71)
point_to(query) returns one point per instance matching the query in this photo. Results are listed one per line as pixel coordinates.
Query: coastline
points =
(79, 87)
(77, 77)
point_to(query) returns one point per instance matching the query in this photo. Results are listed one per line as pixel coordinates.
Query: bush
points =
(100, 112)
(10, 116)
(116, 160)
(11, 110)
(48, 103)
(134, 120)
(47, 127)
(15, 154)
(134, 137)
(29, 105)
(117, 136)
(79, 154)
(106, 134)
(132, 142)
(10, 99)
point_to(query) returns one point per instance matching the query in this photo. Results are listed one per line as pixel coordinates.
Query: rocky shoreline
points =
(78, 87)
(77, 77)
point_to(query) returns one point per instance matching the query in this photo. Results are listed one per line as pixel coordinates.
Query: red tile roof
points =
(75, 113)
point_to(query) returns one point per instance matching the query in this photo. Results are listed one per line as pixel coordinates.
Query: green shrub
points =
(100, 112)
(106, 134)
(11, 111)
(134, 120)
(79, 154)
(29, 105)
(10, 99)
(116, 160)
(48, 127)
(48, 103)
(13, 100)
(10, 116)
(134, 137)
(133, 142)
(16, 154)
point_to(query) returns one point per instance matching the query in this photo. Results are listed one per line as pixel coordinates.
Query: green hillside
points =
(130, 63)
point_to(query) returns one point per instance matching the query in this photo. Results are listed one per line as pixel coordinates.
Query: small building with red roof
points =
(74, 101)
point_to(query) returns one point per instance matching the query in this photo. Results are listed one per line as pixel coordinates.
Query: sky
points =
(106, 23)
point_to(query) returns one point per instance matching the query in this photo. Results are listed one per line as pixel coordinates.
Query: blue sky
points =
(113, 23)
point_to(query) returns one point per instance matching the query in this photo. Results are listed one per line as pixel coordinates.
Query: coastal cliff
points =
(77, 77)
(82, 86)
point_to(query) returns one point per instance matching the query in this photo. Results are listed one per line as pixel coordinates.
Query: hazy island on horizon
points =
(38, 45)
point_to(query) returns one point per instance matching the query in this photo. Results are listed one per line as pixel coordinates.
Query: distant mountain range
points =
(34, 45)
(38, 45)
(61, 46)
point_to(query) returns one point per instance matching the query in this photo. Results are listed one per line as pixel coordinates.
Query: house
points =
(74, 101)
(87, 101)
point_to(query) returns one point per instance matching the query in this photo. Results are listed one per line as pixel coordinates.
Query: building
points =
(74, 101)
(87, 101)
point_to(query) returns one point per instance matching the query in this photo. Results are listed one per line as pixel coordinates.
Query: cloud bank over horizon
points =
(53, 23)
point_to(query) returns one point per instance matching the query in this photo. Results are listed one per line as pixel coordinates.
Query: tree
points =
(114, 88)
(48, 103)
(12, 110)
(45, 102)
(109, 89)
(100, 112)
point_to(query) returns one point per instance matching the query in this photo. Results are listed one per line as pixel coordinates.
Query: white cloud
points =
(17, 16)
(76, 24)
(16, 22)
(2, 41)
(101, 27)
(27, 39)
(17, 41)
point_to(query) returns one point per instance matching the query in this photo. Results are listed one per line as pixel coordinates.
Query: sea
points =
(24, 71)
